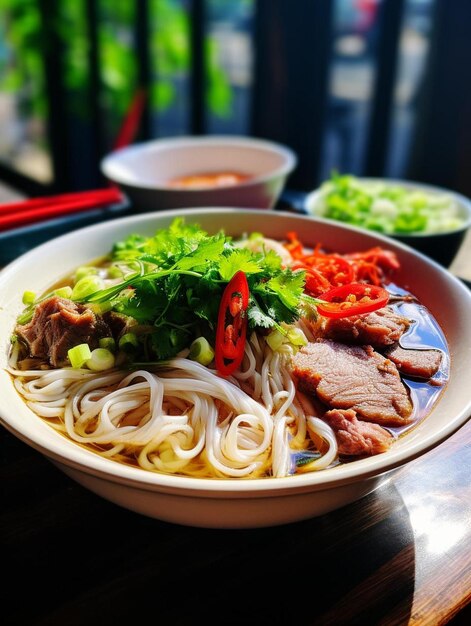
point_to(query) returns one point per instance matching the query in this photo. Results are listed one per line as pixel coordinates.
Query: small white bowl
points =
(236, 503)
(143, 171)
(442, 246)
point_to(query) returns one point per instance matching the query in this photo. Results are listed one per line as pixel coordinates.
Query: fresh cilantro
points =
(238, 259)
(208, 249)
(258, 318)
(176, 278)
(272, 262)
(288, 286)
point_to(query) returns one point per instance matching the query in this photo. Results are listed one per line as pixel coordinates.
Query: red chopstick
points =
(132, 120)
(15, 214)
(99, 195)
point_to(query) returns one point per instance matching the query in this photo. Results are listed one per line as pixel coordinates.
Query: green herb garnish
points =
(176, 279)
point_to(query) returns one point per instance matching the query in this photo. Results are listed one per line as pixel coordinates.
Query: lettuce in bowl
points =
(389, 206)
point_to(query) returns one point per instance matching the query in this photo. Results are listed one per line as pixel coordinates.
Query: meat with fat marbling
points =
(353, 377)
(423, 363)
(378, 328)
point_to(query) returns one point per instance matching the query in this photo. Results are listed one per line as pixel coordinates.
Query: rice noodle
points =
(183, 417)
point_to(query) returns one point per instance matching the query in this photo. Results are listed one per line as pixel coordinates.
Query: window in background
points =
(413, 50)
(355, 30)
(353, 73)
(229, 58)
(118, 64)
(170, 61)
(228, 66)
(23, 105)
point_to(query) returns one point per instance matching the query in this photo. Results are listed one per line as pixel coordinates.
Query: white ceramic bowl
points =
(233, 503)
(441, 246)
(143, 171)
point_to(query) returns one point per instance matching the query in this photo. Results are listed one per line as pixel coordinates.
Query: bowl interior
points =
(153, 164)
(444, 295)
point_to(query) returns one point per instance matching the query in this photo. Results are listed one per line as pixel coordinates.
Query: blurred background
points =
(370, 87)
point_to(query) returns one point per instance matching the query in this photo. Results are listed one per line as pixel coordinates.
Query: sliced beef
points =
(353, 377)
(355, 437)
(59, 324)
(422, 363)
(379, 328)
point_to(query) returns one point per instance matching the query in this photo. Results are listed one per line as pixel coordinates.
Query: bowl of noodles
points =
(210, 367)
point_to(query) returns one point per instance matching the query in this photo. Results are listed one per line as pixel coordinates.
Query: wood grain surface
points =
(401, 555)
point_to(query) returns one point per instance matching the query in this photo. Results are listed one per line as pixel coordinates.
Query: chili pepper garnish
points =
(316, 283)
(325, 270)
(334, 269)
(385, 259)
(352, 299)
(231, 328)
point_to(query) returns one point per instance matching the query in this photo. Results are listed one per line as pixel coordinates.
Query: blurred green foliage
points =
(21, 66)
(23, 47)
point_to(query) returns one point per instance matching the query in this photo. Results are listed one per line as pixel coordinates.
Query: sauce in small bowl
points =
(207, 180)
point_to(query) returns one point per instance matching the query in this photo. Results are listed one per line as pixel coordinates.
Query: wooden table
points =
(401, 555)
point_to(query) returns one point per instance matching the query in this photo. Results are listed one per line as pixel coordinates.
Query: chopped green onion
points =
(297, 337)
(83, 271)
(63, 292)
(128, 343)
(101, 359)
(114, 271)
(86, 286)
(79, 355)
(100, 307)
(275, 339)
(26, 316)
(108, 343)
(201, 351)
(28, 297)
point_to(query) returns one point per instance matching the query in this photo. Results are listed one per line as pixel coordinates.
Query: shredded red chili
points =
(231, 328)
(326, 270)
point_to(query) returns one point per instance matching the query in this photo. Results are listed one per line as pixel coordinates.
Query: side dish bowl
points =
(441, 243)
(146, 171)
(236, 503)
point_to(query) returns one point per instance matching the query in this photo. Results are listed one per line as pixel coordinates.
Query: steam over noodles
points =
(161, 405)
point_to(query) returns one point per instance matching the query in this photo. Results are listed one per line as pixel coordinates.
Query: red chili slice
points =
(231, 328)
(352, 299)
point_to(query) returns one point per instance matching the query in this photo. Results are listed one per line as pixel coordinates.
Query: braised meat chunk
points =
(354, 377)
(356, 437)
(57, 325)
(379, 328)
(423, 363)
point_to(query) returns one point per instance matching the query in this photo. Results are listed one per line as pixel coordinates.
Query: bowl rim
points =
(64, 451)
(459, 197)
(162, 144)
